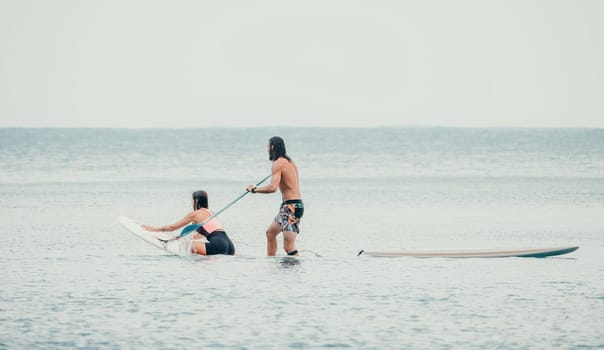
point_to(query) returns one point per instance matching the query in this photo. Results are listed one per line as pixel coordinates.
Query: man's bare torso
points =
(288, 184)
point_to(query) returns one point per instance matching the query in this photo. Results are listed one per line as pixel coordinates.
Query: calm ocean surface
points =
(74, 278)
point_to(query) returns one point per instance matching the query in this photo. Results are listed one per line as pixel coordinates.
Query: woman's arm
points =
(175, 226)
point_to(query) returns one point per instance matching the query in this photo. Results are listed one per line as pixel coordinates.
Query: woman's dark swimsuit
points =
(218, 243)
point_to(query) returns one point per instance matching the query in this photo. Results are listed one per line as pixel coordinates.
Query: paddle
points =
(191, 228)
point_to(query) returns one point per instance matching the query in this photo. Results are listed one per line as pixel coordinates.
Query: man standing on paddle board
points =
(284, 176)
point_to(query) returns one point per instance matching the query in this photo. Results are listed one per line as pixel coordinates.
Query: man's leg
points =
(289, 241)
(271, 238)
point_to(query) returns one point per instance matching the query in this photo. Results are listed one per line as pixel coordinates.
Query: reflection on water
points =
(289, 262)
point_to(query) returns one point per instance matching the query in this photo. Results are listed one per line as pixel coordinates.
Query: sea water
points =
(72, 277)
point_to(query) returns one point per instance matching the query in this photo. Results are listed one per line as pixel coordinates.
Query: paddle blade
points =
(189, 229)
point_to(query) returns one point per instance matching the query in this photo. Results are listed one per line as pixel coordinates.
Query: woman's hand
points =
(150, 228)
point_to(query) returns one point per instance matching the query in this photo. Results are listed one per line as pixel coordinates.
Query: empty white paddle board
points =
(524, 253)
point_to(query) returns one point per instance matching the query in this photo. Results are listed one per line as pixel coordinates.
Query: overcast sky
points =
(124, 63)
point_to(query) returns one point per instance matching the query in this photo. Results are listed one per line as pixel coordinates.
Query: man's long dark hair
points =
(200, 199)
(278, 149)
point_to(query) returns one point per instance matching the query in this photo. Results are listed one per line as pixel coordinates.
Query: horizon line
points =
(303, 127)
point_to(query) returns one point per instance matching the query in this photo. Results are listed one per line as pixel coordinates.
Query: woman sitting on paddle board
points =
(218, 241)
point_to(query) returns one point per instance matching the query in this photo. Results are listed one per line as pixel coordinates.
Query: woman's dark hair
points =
(200, 199)
(278, 149)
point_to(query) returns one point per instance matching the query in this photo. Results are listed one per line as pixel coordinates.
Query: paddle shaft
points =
(233, 202)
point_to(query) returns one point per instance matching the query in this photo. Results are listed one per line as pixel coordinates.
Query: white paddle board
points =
(524, 253)
(162, 240)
